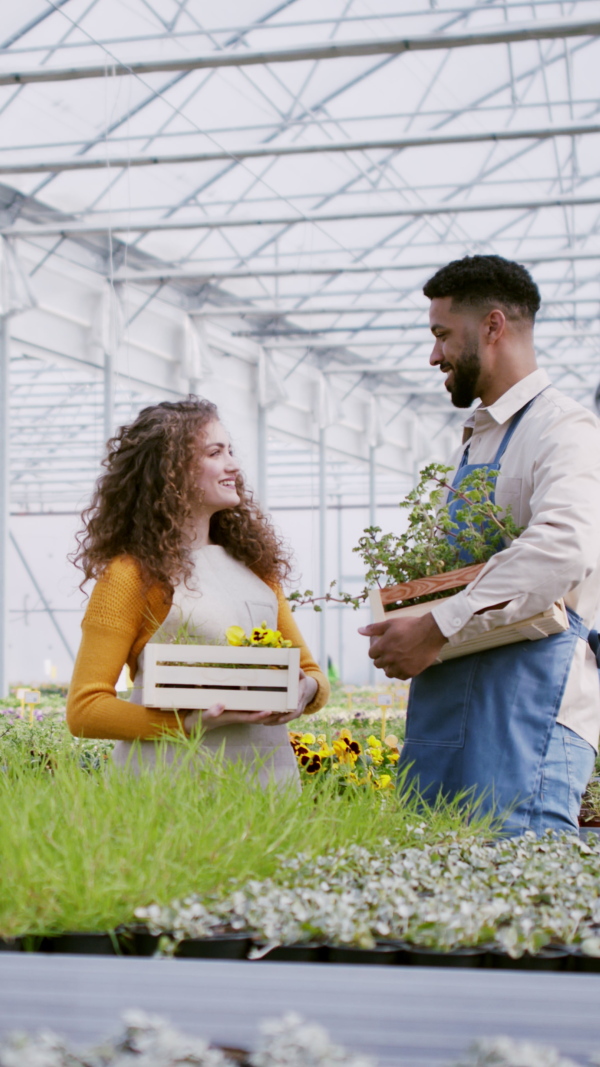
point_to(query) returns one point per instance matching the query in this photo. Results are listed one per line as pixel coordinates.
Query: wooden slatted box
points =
(552, 621)
(191, 676)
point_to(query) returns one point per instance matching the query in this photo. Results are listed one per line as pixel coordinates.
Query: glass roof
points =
(287, 200)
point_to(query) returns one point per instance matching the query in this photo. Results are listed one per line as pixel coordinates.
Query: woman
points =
(173, 537)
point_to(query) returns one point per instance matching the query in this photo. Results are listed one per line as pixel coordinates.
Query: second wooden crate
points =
(552, 621)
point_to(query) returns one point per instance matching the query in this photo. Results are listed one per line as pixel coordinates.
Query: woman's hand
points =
(217, 716)
(307, 691)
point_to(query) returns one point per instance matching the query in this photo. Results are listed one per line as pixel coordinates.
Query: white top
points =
(550, 476)
(221, 593)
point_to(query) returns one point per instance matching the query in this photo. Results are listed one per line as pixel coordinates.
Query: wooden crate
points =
(177, 676)
(552, 621)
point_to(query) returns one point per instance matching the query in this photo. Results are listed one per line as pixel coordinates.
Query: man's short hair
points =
(485, 281)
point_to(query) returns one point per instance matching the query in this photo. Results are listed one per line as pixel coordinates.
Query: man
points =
(518, 725)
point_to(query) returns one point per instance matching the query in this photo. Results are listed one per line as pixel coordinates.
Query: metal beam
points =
(243, 30)
(229, 222)
(4, 496)
(251, 152)
(288, 330)
(31, 25)
(198, 275)
(533, 31)
(277, 312)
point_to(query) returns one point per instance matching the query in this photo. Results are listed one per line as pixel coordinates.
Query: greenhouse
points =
(241, 204)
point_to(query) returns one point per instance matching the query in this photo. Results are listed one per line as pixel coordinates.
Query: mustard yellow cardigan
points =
(120, 619)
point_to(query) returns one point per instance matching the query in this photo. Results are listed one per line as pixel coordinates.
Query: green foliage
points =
(298, 599)
(40, 743)
(432, 542)
(81, 850)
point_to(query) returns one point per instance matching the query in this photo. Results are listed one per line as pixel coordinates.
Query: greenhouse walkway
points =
(402, 1016)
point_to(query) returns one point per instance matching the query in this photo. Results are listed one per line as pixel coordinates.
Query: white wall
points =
(44, 541)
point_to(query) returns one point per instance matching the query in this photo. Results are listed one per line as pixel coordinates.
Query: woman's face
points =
(217, 469)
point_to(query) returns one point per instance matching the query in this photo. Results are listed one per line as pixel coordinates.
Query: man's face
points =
(456, 350)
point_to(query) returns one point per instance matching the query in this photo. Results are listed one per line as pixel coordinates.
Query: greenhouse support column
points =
(261, 472)
(372, 486)
(109, 395)
(322, 543)
(372, 521)
(4, 497)
(340, 607)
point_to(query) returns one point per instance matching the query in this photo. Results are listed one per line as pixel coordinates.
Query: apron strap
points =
(507, 436)
(594, 643)
(591, 637)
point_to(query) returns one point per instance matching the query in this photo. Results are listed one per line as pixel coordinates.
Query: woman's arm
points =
(291, 632)
(117, 614)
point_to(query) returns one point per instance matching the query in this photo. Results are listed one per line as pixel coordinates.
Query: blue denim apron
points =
(483, 722)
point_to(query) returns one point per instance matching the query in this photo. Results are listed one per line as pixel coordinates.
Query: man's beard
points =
(466, 373)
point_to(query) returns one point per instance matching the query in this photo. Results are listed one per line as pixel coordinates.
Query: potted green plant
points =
(436, 556)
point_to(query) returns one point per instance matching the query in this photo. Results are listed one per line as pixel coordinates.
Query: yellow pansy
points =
(393, 757)
(235, 636)
(261, 635)
(307, 739)
(325, 750)
(374, 742)
(384, 782)
(346, 757)
(345, 735)
(321, 739)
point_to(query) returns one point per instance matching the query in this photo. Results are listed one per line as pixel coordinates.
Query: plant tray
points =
(552, 621)
(250, 679)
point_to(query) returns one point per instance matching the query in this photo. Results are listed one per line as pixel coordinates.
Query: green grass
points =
(81, 848)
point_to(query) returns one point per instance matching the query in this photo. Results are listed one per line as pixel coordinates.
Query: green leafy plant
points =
(83, 848)
(433, 543)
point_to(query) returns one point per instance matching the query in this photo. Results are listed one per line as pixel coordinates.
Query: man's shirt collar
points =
(511, 401)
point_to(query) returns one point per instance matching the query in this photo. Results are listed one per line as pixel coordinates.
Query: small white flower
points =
(504, 1052)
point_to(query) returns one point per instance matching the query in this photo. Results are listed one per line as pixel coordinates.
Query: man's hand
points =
(404, 647)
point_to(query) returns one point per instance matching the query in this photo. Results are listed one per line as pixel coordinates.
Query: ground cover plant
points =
(41, 742)
(518, 895)
(83, 847)
(149, 1041)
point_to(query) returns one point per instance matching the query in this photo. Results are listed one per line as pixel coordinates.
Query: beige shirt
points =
(550, 476)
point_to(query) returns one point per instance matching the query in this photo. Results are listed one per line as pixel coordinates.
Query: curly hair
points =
(143, 503)
(483, 280)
